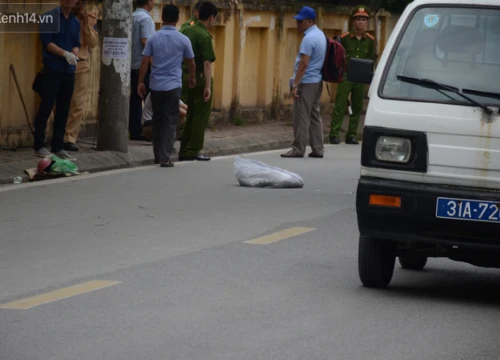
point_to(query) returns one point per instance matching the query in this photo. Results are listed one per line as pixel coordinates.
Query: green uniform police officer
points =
(358, 44)
(199, 98)
(192, 20)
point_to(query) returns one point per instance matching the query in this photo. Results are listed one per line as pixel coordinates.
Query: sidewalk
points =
(226, 140)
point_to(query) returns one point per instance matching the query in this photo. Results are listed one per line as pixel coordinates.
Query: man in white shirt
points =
(143, 27)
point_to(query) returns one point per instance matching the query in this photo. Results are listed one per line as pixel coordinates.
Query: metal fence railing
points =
(371, 4)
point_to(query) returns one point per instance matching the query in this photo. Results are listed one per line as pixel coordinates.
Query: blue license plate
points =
(472, 210)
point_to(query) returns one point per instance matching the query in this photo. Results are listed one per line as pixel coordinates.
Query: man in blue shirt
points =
(143, 27)
(306, 87)
(60, 46)
(168, 48)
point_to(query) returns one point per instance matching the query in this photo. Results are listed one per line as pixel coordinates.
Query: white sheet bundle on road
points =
(253, 173)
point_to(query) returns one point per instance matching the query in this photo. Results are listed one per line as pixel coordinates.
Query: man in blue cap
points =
(306, 87)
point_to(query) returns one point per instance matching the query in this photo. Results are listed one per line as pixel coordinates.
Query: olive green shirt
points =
(362, 49)
(201, 41)
(191, 21)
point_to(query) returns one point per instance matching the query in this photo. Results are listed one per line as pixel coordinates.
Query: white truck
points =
(430, 164)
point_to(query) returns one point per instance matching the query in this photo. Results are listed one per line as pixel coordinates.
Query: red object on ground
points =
(43, 165)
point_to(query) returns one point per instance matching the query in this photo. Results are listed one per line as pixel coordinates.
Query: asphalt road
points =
(192, 274)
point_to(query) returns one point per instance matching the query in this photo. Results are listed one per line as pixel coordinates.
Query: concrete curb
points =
(97, 161)
(143, 155)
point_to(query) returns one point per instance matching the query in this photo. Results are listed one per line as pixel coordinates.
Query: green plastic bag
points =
(62, 166)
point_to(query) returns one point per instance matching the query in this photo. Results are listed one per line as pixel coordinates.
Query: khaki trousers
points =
(307, 121)
(78, 101)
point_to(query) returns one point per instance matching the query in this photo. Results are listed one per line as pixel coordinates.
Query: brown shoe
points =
(315, 155)
(292, 154)
(167, 164)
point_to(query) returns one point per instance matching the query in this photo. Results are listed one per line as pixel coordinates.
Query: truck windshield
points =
(459, 47)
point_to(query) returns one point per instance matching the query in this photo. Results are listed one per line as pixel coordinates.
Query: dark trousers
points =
(135, 110)
(56, 88)
(198, 114)
(357, 92)
(165, 118)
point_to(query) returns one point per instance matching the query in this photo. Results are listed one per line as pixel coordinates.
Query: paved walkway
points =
(225, 140)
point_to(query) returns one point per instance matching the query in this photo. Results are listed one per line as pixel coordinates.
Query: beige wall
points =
(255, 53)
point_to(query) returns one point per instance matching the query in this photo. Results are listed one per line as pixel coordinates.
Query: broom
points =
(30, 125)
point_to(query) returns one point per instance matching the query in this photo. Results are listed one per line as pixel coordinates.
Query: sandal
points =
(167, 164)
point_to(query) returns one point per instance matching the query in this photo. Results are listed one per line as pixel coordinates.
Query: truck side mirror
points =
(360, 71)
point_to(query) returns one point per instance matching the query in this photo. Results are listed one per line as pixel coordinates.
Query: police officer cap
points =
(360, 10)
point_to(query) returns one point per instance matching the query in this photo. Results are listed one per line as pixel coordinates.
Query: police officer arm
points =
(189, 61)
(208, 54)
(207, 71)
(372, 51)
(191, 65)
(75, 41)
(90, 36)
(92, 39)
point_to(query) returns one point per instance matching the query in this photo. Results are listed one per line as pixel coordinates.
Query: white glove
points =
(71, 58)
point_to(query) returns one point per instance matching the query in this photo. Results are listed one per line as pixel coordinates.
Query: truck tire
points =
(413, 263)
(376, 260)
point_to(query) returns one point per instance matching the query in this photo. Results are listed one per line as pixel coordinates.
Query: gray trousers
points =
(307, 121)
(165, 117)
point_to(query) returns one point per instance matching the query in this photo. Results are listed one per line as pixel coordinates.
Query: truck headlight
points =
(393, 149)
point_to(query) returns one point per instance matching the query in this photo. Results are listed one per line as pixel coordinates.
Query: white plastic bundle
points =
(253, 173)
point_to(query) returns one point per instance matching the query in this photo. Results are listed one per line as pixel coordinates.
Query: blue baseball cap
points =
(305, 13)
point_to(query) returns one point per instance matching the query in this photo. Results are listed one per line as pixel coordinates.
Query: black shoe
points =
(139, 138)
(201, 158)
(186, 158)
(167, 164)
(351, 141)
(334, 140)
(70, 147)
(315, 155)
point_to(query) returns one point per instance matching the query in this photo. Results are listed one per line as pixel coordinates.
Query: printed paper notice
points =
(156, 14)
(115, 48)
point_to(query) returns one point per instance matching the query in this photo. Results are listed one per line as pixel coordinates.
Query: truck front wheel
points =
(376, 259)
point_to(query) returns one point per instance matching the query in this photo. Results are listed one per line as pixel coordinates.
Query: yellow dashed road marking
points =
(280, 235)
(60, 294)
